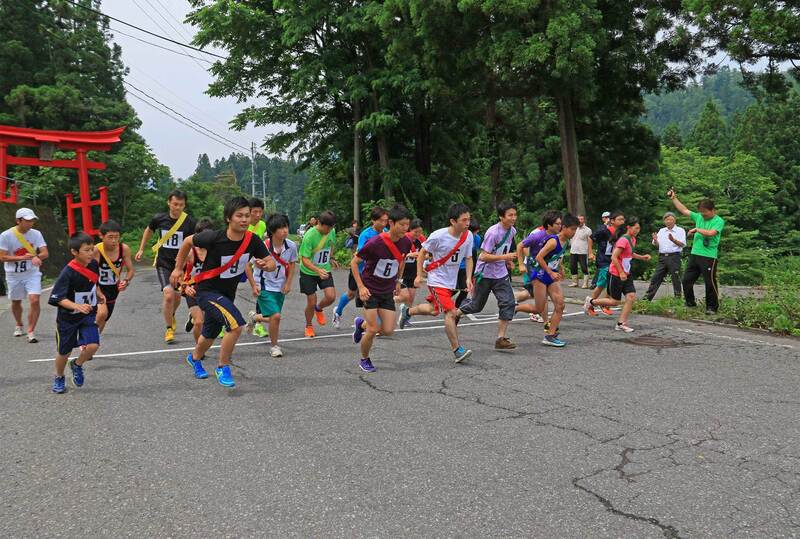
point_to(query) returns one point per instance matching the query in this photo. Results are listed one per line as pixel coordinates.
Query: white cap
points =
(606, 214)
(26, 213)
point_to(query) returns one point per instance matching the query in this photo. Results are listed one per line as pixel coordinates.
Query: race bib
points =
(21, 266)
(386, 268)
(107, 277)
(86, 298)
(174, 241)
(609, 248)
(322, 257)
(626, 264)
(555, 263)
(236, 269)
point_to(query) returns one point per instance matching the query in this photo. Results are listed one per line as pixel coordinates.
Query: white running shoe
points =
(623, 327)
(276, 351)
(251, 321)
(535, 317)
(19, 331)
(32, 338)
(337, 320)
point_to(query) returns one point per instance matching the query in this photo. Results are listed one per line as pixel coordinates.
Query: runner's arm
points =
(287, 286)
(180, 261)
(548, 247)
(363, 292)
(42, 253)
(127, 261)
(310, 265)
(470, 267)
(5, 257)
(146, 235)
(248, 271)
(521, 257)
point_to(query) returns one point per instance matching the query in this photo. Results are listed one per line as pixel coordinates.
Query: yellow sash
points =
(321, 243)
(113, 266)
(25, 243)
(168, 235)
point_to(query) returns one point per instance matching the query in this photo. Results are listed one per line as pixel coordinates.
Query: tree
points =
(710, 134)
(672, 136)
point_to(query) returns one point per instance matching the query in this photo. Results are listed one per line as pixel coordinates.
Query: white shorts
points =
(19, 289)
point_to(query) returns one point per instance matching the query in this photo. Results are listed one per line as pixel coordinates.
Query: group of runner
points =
(391, 260)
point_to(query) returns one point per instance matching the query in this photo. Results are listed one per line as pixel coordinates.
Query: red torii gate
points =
(48, 142)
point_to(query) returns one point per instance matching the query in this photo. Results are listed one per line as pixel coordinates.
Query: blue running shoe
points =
(366, 365)
(461, 354)
(224, 376)
(77, 372)
(404, 316)
(553, 340)
(59, 384)
(199, 372)
(359, 331)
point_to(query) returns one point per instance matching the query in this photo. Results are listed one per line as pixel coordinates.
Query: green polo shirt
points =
(258, 229)
(703, 245)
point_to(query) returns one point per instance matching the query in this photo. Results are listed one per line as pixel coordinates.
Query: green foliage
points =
(710, 133)
(671, 137)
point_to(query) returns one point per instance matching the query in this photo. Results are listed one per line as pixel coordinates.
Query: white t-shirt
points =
(579, 244)
(273, 280)
(9, 243)
(665, 245)
(439, 244)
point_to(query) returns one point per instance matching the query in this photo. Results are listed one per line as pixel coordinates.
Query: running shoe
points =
(366, 365)
(337, 320)
(320, 314)
(169, 336)
(32, 338)
(259, 331)
(536, 317)
(623, 326)
(461, 354)
(251, 322)
(77, 372)
(711, 312)
(189, 325)
(607, 311)
(504, 343)
(310, 331)
(358, 333)
(19, 331)
(196, 365)
(276, 351)
(553, 340)
(224, 376)
(59, 384)
(402, 322)
(588, 308)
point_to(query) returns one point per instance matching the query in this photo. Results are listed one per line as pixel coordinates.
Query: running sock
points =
(343, 301)
(317, 308)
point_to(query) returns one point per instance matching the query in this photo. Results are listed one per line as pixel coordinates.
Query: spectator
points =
(580, 248)
(670, 240)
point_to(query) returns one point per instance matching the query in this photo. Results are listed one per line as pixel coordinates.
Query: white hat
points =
(606, 214)
(26, 213)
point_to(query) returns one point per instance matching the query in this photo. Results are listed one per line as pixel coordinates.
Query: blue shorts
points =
(544, 278)
(71, 334)
(219, 312)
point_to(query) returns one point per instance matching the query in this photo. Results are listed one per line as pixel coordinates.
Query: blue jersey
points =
(366, 235)
(76, 288)
(553, 258)
(476, 248)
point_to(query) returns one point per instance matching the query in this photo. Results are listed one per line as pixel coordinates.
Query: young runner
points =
(275, 285)
(112, 257)
(448, 247)
(603, 237)
(172, 227)
(379, 217)
(408, 290)
(551, 225)
(76, 295)
(227, 254)
(257, 226)
(194, 265)
(491, 273)
(461, 291)
(22, 249)
(382, 259)
(548, 274)
(316, 253)
(621, 282)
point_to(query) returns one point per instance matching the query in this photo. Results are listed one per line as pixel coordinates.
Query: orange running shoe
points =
(607, 311)
(321, 320)
(310, 331)
(588, 308)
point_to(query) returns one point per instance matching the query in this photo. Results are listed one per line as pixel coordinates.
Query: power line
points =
(126, 83)
(118, 31)
(87, 8)
(147, 14)
(180, 28)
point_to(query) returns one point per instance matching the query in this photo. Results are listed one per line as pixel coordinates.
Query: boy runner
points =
(604, 238)
(172, 228)
(194, 265)
(546, 274)
(382, 260)
(408, 290)
(22, 249)
(76, 295)
(214, 288)
(316, 252)
(379, 217)
(621, 282)
(551, 225)
(448, 247)
(491, 273)
(258, 227)
(461, 291)
(275, 285)
(112, 256)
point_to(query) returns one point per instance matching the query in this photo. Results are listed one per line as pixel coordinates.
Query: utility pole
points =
(356, 159)
(253, 170)
(264, 186)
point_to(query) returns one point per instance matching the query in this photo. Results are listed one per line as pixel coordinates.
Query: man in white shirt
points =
(670, 240)
(580, 249)
(22, 250)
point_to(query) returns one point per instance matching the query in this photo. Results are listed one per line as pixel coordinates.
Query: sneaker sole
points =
(554, 345)
(466, 355)
(232, 384)
(366, 370)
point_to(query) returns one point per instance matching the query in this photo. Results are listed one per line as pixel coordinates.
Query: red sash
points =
(387, 240)
(216, 272)
(276, 256)
(414, 242)
(187, 271)
(91, 276)
(435, 264)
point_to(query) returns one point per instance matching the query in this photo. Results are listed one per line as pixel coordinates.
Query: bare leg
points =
(328, 298)
(630, 299)
(425, 309)
(557, 295)
(450, 328)
(197, 322)
(16, 310)
(202, 346)
(311, 301)
(102, 316)
(61, 363)
(33, 313)
(502, 327)
(167, 309)
(274, 328)
(87, 353)
(227, 345)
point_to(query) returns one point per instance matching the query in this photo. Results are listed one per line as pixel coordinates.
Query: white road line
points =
(728, 337)
(295, 339)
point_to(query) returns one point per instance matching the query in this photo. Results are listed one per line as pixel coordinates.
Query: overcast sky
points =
(177, 81)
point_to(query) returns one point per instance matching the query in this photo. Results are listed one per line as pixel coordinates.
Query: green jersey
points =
(703, 245)
(317, 249)
(259, 229)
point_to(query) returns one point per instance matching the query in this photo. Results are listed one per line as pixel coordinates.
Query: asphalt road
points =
(691, 431)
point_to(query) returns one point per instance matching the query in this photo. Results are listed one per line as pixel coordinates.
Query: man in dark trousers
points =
(670, 241)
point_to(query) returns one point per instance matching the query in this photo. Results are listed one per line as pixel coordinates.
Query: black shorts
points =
(110, 292)
(190, 302)
(461, 282)
(310, 283)
(219, 311)
(351, 282)
(71, 334)
(163, 277)
(377, 301)
(618, 288)
(408, 282)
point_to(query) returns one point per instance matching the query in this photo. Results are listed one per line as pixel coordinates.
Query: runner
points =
(381, 260)
(214, 288)
(111, 255)
(548, 274)
(275, 285)
(606, 218)
(257, 226)
(448, 247)
(461, 291)
(551, 225)
(172, 227)
(316, 253)
(379, 217)
(22, 249)
(603, 237)
(76, 295)
(408, 290)
(621, 282)
(491, 274)
(194, 264)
